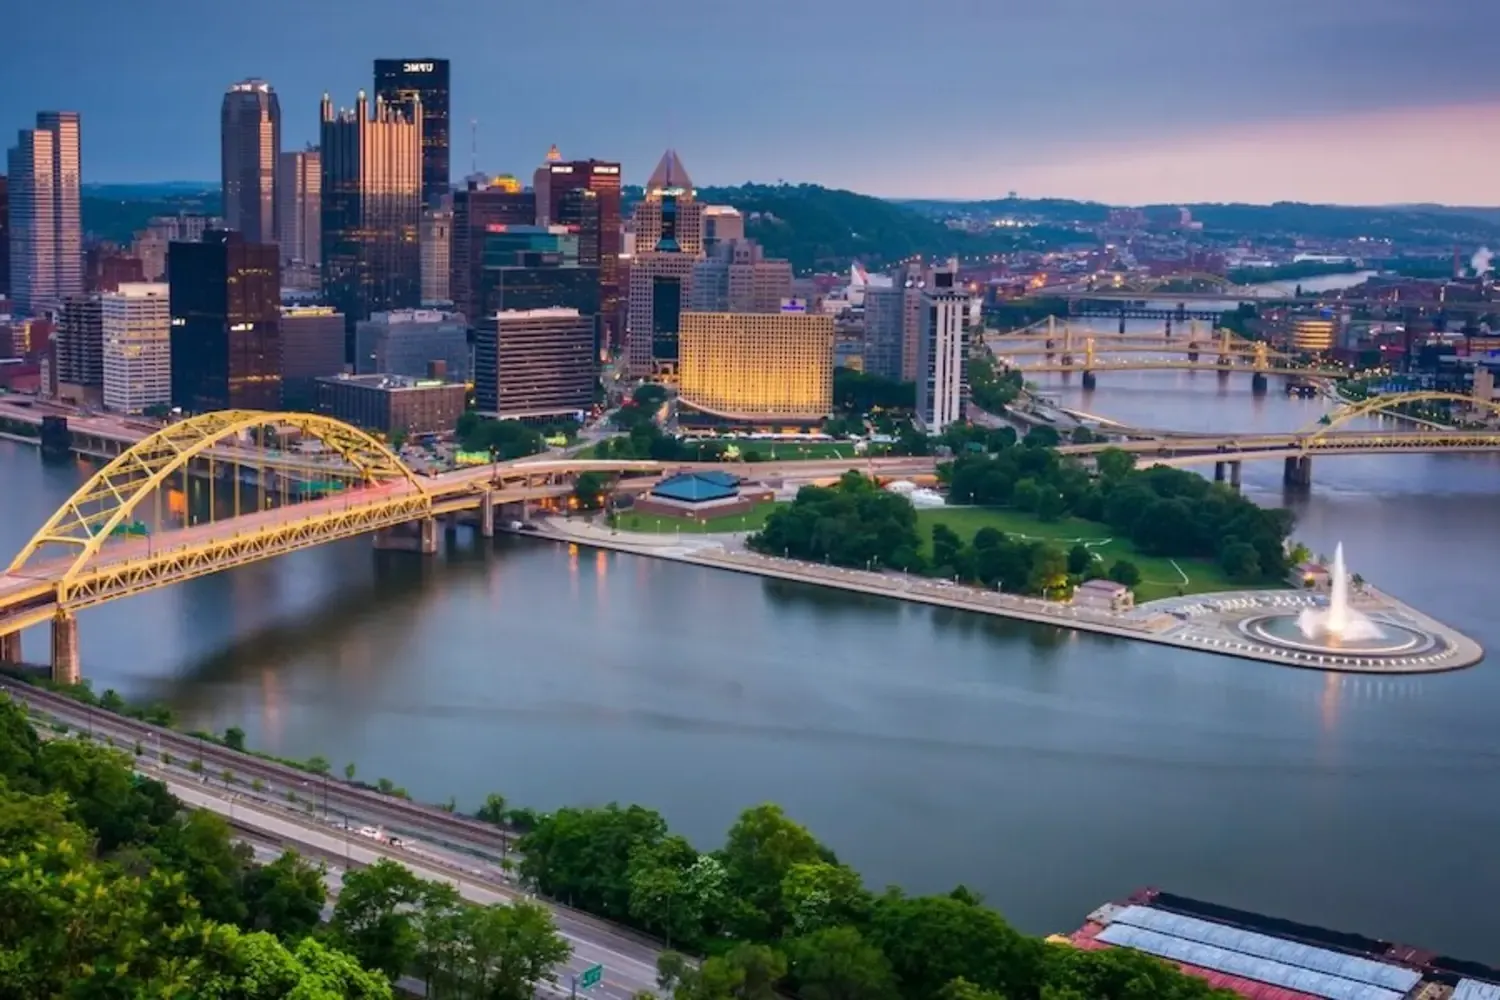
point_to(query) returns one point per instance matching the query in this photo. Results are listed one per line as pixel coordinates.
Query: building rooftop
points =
(389, 383)
(670, 174)
(697, 487)
(1109, 587)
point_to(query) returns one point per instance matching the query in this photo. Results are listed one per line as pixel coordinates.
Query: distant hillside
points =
(819, 228)
(115, 212)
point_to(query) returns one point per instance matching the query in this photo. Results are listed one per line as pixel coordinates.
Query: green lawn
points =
(751, 520)
(1159, 577)
(793, 450)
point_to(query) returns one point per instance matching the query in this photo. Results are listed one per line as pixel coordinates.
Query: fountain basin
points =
(1393, 639)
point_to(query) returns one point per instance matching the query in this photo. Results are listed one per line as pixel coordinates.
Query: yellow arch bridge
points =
(113, 537)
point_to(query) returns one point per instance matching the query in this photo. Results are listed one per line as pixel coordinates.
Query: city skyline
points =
(1284, 102)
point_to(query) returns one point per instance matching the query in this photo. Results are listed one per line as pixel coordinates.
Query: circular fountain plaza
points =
(1363, 631)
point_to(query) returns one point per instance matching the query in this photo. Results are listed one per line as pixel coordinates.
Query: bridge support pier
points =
(487, 514)
(65, 668)
(1169, 326)
(415, 536)
(1234, 475)
(1067, 359)
(1192, 353)
(1089, 381)
(1122, 322)
(1297, 471)
(1259, 384)
(1219, 471)
(10, 648)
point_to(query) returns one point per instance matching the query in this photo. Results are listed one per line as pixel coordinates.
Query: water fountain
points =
(1335, 629)
(1338, 622)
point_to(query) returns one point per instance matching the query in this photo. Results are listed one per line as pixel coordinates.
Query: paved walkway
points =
(1203, 622)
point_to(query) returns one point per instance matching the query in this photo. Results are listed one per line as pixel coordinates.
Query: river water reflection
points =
(1046, 769)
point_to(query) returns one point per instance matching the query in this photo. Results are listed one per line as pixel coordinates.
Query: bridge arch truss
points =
(1329, 423)
(104, 505)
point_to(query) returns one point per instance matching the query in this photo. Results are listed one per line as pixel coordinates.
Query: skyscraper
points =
(4, 237)
(670, 183)
(46, 231)
(739, 278)
(942, 351)
(482, 207)
(437, 252)
(544, 364)
(135, 322)
(371, 209)
(250, 142)
(409, 84)
(556, 178)
(226, 323)
(299, 186)
(79, 350)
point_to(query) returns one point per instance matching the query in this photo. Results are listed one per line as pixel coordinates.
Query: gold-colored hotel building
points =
(763, 368)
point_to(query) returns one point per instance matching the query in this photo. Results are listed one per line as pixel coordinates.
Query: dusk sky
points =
(1353, 101)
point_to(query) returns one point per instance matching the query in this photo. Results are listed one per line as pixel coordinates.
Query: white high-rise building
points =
(942, 350)
(137, 324)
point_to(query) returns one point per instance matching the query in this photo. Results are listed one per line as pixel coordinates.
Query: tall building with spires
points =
(419, 87)
(371, 208)
(669, 243)
(46, 227)
(249, 144)
(670, 183)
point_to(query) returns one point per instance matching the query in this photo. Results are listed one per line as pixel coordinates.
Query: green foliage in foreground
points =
(108, 889)
(778, 914)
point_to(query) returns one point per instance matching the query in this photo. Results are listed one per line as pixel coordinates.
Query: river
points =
(1047, 770)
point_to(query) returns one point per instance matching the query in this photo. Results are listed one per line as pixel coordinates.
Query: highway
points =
(629, 959)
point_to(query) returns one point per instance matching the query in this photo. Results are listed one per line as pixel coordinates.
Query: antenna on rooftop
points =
(473, 145)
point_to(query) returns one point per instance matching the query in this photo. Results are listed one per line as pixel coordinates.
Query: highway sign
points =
(591, 976)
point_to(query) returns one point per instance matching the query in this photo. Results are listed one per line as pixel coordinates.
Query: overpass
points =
(1228, 355)
(94, 549)
(1327, 436)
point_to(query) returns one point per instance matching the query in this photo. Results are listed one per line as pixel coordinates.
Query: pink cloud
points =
(1443, 154)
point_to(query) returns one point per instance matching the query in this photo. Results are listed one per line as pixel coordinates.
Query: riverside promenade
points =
(1203, 622)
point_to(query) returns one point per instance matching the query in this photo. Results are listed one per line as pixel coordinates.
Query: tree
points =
(493, 810)
(285, 897)
(821, 895)
(837, 963)
(931, 940)
(582, 856)
(508, 950)
(1126, 572)
(201, 848)
(962, 989)
(745, 972)
(1240, 561)
(349, 771)
(662, 898)
(1114, 463)
(318, 765)
(760, 851)
(1079, 559)
(590, 490)
(372, 919)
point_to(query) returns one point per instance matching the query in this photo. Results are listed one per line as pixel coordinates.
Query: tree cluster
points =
(108, 889)
(854, 523)
(505, 439)
(1163, 511)
(992, 389)
(858, 392)
(777, 913)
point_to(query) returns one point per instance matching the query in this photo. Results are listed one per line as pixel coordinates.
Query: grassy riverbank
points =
(651, 524)
(1159, 577)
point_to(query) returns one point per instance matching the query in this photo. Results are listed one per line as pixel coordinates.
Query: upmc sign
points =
(416, 67)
